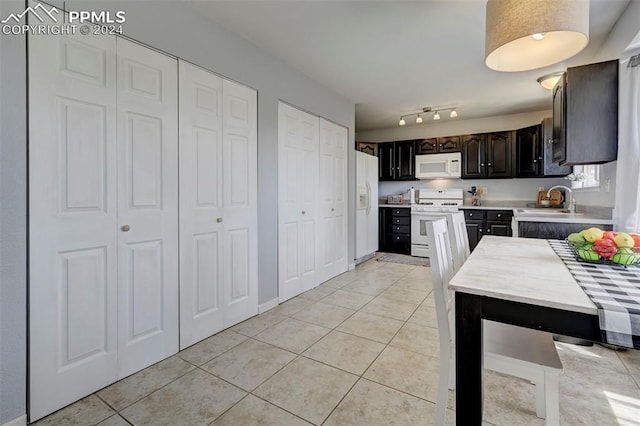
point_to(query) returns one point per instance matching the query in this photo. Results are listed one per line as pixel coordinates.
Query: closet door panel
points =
(298, 197)
(147, 207)
(201, 204)
(333, 142)
(72, 219)
(240, 198)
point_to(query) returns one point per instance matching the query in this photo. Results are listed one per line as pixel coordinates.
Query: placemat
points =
(614, 290)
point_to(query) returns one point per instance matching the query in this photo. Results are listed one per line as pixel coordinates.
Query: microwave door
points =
(433, 168)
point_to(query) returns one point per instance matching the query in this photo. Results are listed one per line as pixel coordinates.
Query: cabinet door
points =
(559, 122)
(405, 160)
(382, 228)
(474, 231)
(527, 152)
(550, 167)
(427, 146)
(386, 161)
(473, 156)
(499, 154)
(502, 229)
(449, 144)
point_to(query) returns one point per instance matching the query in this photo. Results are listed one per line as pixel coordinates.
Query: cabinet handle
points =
(551, 141)
(397, 238)
(489, 164)
(480, 230)
(470, 214)
(539, 158)
(535, 161)
(440, 145)
(488, 230)
(219, 220)
(332, 209)
(481, 164)
(499, 215)
(434, 145)
(303, 212)
(125, 228)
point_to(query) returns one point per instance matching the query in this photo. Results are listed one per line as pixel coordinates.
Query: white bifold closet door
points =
(298, 193)
(103, 214)
(147, 207)
(333, 196)
(218, 203)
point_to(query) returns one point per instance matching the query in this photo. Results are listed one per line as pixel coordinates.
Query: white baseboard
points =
(20, 421)
(352, 266)
(267, 305)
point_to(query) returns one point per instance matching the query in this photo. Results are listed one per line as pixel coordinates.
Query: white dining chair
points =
(520, 352)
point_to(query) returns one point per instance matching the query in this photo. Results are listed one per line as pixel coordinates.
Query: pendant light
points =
(525, 35)
(436, 116)
(549, 81)
(418, 119)
(453, 113)
(402, 122)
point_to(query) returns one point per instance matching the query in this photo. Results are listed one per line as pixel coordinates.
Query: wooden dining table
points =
(518, 281)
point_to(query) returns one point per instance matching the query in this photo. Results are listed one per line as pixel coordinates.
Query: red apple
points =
(609, 235)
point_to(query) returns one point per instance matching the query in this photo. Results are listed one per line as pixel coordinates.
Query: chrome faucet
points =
(571, 202)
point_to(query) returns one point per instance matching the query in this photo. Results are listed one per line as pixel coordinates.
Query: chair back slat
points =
(441, 272)
(459, 239)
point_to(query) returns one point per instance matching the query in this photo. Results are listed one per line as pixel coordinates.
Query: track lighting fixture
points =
(436, 116)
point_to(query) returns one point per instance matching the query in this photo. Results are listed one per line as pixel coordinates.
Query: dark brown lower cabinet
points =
(554, 230)
(487, 222)
(395, 230)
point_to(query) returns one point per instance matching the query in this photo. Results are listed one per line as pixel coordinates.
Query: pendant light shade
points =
(549, 81)
(525, 35)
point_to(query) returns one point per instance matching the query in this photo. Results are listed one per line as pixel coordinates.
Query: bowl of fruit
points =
(609, 247)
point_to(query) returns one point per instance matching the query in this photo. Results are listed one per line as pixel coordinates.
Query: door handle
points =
(303, 212)
(332, 209)
(219, 220)
(125, 228)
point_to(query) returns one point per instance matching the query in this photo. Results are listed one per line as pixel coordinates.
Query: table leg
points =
(468, 359)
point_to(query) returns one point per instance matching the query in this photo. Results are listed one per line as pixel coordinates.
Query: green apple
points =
(576, 239)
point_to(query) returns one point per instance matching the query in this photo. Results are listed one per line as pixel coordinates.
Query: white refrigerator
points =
(367, 205)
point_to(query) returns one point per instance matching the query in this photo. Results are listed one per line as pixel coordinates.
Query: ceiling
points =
(394, 57)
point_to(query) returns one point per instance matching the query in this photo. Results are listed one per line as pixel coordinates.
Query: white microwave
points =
(437, 166)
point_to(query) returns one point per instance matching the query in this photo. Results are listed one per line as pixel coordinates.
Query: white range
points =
(431, 204)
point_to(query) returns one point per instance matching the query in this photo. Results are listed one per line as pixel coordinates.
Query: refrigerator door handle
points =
(368, 198)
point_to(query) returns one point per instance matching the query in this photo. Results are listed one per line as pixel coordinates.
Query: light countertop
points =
(523, 270)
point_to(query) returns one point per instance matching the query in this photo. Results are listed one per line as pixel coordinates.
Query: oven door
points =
(419, 228)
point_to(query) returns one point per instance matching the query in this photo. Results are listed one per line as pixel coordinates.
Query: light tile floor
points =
(361, 349)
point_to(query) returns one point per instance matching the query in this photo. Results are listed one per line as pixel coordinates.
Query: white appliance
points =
(432, 205)
(434, 166)
(367, 207)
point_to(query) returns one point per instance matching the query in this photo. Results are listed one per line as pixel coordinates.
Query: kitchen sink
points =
(547, 212)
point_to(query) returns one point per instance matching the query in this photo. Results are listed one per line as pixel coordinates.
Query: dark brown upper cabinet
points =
(438, 145)
(487, 155)
(585, 115)
(529, 157)
(396, 160)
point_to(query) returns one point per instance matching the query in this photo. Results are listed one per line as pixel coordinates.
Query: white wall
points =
(13, 233)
